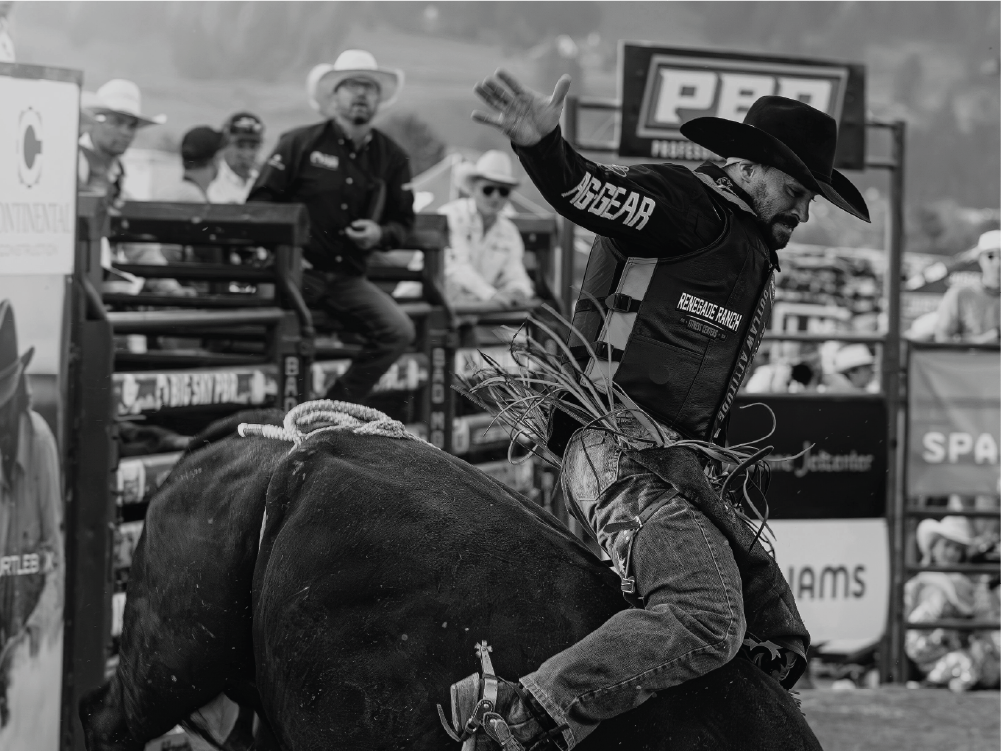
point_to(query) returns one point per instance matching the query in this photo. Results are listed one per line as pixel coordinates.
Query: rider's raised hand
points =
(523, 115)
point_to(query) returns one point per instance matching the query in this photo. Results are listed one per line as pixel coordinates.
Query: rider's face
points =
(781, 203)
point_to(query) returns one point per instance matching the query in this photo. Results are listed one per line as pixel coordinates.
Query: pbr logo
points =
(663, 89)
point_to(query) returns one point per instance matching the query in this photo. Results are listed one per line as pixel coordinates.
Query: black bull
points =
(383, 562)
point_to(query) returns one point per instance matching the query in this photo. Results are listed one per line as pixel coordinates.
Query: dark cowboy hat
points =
(788, 135)
(11, 366)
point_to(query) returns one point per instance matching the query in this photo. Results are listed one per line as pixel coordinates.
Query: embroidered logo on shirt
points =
(617, 169)
(602, 199)
(708, 311)
(327, 161)
(276, 162)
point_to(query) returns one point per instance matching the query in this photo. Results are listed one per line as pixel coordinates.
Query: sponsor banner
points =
(832, 452)
(136, 393)
(137, 478)
(38, 162)
(408, 373)
(954, 414)
(662, 88)
(839, 573)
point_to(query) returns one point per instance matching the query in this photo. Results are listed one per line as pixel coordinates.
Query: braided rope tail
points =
(322, 415)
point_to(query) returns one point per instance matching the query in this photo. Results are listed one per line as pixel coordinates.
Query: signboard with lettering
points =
(38, 138)
(834, 451)
(662, 88)
(954, 421)
(38, 133)
(826, 507)
(839, 573)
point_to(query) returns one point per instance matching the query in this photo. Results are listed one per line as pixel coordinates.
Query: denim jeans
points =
(366, 310)
(693, 620)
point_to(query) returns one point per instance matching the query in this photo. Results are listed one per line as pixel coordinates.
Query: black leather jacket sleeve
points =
(651, 210)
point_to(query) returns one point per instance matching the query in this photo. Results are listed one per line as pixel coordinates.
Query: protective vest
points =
(682, 330)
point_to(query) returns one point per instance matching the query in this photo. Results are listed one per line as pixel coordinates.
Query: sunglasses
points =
(488, 190)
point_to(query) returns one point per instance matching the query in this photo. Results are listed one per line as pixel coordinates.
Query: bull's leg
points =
(103, 717)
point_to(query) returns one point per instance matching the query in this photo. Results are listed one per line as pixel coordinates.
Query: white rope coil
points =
(323, 415)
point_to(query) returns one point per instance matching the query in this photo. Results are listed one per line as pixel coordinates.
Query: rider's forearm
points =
(637, 204)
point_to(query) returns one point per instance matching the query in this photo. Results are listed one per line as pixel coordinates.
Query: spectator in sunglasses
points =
(971, 312)
(484, 259)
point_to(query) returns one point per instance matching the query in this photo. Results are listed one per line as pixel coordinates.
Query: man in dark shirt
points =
(353, 181)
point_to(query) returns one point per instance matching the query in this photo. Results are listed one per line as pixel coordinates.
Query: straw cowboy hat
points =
(121, 96)
(786, 134)
(325, 78)
(955, 528)
(11, 366)
(494, 166)
(851, 356)
(989, 241)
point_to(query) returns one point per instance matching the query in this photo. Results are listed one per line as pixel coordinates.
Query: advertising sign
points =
(839, 572)
(38, 141)
(954, 421)
(826, 508)
(38, 135)
(662, 88)
(841, 470)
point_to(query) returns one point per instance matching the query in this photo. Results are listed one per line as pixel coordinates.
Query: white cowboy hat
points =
(851, 356)
(989, 241)
(954, 528)
(494, 166)
(325, 78)
(121, 96)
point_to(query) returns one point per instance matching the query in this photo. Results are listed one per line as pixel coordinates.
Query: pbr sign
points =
(664, 88)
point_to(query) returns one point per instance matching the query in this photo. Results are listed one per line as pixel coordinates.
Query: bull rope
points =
(325, 415)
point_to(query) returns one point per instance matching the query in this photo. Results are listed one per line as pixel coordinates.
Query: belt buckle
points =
(629, 585)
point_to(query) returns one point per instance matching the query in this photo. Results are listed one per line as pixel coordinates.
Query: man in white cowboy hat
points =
(484, 258)
(31, 595)
(354, 181)
(972, 312)
(676, 294)
(854, 368)
(112, 116)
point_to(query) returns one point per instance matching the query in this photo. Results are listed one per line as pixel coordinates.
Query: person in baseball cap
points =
(238, 168)
(200, 147)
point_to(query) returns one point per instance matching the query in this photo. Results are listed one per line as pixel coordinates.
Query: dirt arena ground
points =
(900, 719)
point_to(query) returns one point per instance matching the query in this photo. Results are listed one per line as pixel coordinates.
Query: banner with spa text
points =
(954, 421)
(38, 141)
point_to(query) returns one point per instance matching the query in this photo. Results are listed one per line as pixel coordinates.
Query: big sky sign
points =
(663, 88)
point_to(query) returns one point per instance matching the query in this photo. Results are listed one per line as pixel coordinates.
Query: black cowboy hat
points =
(786, 134)
(11, 366)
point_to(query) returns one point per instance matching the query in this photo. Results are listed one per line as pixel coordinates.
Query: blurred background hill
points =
(934, 64)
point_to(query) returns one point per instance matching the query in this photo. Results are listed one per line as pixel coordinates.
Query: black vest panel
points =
(683, 330)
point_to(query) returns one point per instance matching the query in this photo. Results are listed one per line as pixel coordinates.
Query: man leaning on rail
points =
(354, 181)
(678, 288)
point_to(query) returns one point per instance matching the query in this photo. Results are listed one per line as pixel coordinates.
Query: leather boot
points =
(515, 721)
